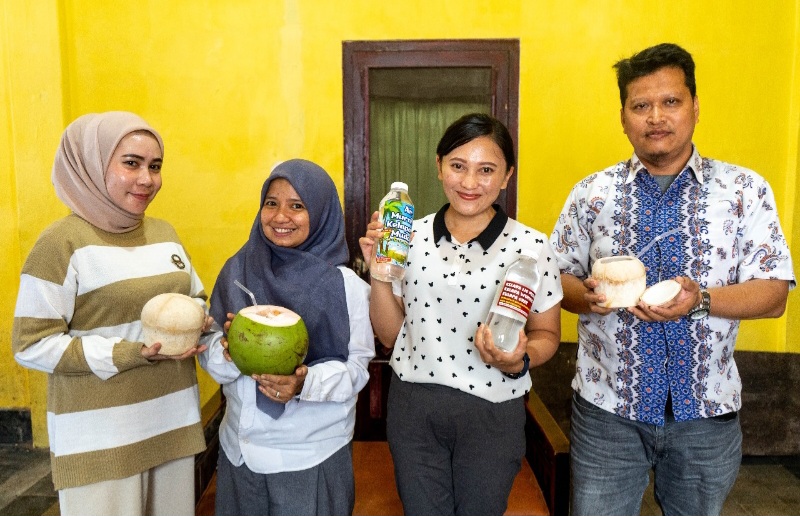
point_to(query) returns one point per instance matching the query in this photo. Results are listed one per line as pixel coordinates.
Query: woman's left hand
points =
(282, 388)
(507, 362)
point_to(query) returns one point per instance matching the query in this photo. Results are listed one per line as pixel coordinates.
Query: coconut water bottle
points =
(513, 300)
(396, 211)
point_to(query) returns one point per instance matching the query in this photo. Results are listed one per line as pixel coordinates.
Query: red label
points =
(516, 297)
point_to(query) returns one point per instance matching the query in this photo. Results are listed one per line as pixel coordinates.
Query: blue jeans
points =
(695, 463)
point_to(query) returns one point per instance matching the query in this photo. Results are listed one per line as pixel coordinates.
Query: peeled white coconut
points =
(661, 293)
(622, 279)
(267, 339)
(174, 320)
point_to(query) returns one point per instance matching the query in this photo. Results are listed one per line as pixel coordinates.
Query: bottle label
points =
(398, 216)
(516, 297)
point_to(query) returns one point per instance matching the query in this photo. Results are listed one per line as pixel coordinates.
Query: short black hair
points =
(475, 125)
(651, 60)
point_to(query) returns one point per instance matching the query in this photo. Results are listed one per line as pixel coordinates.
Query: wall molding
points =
(15, 426)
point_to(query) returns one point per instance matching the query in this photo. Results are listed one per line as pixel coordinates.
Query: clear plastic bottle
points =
(396, 211)
(513, 300)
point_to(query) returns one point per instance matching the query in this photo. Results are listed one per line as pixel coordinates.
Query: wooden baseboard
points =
(15, 426)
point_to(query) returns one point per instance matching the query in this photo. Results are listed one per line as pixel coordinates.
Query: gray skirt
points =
(327, 489)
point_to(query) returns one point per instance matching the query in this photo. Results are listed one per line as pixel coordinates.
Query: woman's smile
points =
(284, 217)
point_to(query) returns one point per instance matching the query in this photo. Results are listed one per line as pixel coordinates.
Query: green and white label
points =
(398, 216)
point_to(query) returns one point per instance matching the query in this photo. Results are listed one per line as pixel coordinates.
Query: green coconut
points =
(267, 339)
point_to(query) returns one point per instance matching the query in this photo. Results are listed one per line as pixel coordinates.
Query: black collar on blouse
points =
(487, 236)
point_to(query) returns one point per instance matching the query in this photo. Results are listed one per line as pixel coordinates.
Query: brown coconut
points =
(174, 320)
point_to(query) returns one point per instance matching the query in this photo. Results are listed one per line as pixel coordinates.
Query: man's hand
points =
(679, 306)
(594, 299)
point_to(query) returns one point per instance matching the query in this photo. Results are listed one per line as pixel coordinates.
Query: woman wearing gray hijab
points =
(123, 419)
(285, 440)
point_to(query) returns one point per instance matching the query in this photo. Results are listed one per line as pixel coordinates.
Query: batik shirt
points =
(447, 292)
(716, 224)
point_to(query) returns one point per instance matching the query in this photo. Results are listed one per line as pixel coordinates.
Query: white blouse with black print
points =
(447, 291)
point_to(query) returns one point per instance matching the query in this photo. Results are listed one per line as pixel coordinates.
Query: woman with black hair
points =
(456, 415)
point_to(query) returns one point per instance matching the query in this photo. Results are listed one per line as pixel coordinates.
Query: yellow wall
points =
(236, 86)
(792, 226)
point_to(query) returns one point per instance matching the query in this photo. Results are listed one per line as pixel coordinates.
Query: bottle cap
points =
(399, 185)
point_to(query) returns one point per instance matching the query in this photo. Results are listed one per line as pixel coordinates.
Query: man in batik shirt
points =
(656, 387)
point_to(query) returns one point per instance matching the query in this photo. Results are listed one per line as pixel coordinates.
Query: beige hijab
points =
(82, 159)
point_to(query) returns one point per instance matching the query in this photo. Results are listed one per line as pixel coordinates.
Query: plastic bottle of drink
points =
(513, 300)
(396, 211)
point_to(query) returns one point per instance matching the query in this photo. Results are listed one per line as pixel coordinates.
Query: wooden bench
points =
(548, 455)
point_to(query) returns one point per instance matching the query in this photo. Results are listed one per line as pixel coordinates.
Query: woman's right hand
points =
(224, 340)
(594, 299)
(153, 352)
(367, 242)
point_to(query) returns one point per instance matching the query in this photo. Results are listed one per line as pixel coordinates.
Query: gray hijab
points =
(305, 278)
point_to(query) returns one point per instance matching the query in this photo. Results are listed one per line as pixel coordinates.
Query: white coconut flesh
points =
(272, 316)
(661, 293)
(622, 279)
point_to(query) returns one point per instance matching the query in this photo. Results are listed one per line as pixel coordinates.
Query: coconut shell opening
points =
(622, 279)
(270, 315)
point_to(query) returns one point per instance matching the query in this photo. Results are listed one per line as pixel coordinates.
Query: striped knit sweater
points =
(110, 413)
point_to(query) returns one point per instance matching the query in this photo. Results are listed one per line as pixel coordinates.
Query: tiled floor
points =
(768, 486)
(26, 487)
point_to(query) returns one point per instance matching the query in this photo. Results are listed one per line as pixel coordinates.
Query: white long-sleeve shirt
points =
(317, 422)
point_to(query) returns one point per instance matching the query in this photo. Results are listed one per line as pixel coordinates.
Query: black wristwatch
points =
(703, 308)
(526, 363)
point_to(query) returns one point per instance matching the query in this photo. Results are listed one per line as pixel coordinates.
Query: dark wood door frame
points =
(358, 57)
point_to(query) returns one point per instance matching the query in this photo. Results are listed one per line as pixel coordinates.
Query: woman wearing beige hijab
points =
(123, 419)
